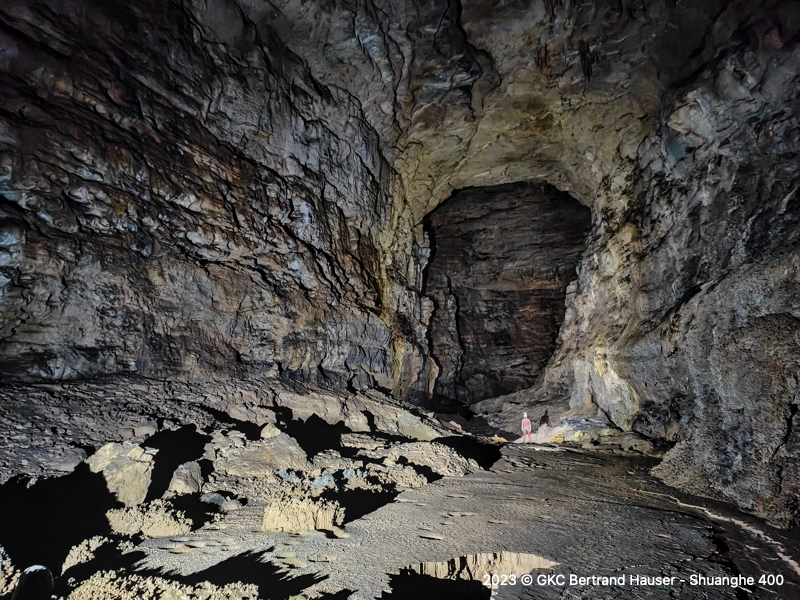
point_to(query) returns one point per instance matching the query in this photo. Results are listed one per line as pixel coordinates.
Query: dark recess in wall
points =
(501, 260)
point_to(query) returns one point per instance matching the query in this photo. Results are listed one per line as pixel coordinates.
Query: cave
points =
(401, 297)
(501, 260)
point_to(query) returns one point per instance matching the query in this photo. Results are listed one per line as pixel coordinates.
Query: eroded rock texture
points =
(206, 190)
(503, 257)
(182, 199)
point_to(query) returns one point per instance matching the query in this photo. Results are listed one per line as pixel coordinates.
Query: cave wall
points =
(181, 198)
(683, 325)
(502, 258)
(211, 189)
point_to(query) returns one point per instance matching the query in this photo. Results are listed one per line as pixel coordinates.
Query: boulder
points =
(255, 459)
(270, 431)
(187, 479)
(127, 468)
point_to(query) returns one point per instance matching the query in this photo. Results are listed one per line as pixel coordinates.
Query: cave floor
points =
(547, 510)
(592, 514)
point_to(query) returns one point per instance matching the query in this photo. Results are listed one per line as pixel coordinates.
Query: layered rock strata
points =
(182, 199)
(501, 260)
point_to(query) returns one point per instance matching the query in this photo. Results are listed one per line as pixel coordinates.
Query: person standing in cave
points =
(526, 428)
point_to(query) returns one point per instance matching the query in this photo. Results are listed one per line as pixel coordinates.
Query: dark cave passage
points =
(281, 284)
(501, 260)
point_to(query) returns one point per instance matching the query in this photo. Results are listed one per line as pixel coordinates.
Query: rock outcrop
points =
(154, 519)
(127, 469)
(106, 585)
(183, 210)
(297, 514)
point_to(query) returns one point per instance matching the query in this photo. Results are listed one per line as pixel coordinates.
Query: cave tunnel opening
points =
(501, 260)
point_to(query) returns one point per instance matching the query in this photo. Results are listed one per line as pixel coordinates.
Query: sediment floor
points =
(590, 514)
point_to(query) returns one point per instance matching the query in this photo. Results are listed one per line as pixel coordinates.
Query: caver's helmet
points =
(525, 415)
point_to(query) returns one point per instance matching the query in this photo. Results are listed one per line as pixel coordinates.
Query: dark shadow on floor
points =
(40, 524)
(273, 582)
(251, 431)
(469, 447)
(314, 434)
(357, 503)
(106, 558)
(174, 449)
(195, 509)
(340, 595)
(410, 585)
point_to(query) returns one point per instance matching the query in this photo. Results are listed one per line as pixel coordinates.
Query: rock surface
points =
(182, 193)
(365, 511)
(108, 585)
(254, 459)
(154, 519)
(187, 479)
(297, 515)
(612, 518)
(438, 458)
(44, 427)
(502, 259)
(127, 469)
(84, 552)
(9, 575)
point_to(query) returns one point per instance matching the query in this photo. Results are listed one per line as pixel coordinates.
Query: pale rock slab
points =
(438, 457)
(263, 456)
(187, 479)
(127, 468)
